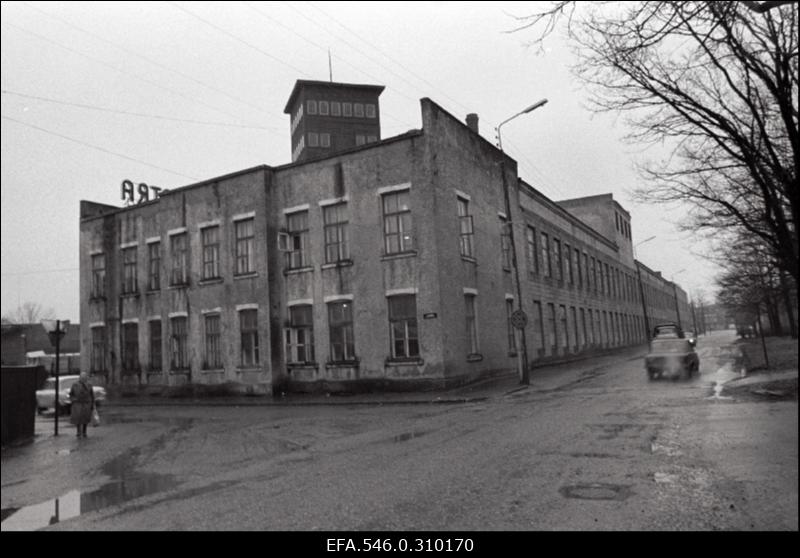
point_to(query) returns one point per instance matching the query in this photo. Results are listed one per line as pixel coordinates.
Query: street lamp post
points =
(675, 295)
(56, 329)
(519, 319)
(641, 288)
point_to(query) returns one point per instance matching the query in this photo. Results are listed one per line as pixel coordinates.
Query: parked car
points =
(671, 356)
(45, 397)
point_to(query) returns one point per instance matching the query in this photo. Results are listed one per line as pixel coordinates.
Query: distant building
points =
(382, 265)
(25, 344)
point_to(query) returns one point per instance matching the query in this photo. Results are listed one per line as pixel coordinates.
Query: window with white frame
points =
(323, 108)
(155, 346)
(403, 326)
(358, 110)
(336, 233)
(325, 139)
(340, 329)
(313, 139)
(300, 335)
(347, 109)
(248, 330)
(213, 357)
(98, 275)
(465, 227)
(98, 358)
(297, 229)
(179, 251)
(244, 229)
(311, 106)
(129, 279)
(546, 263)
(154, 266)
(179, 343)
(370, 110)
(210, 240)
(471, 322)
(397, 236)
(130, 348)
(530, 250)
(336, 108)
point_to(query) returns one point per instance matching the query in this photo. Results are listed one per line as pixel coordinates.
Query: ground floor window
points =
(300, 334)
(340, 328)
(403, 326)
(98, 358)
(130, 348)
(248, 330)
(179, 352)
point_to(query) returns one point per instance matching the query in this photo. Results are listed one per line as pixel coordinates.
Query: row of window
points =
(243, 262)
(178, 344)
(623, 226)
(338, 108)
(565, 330)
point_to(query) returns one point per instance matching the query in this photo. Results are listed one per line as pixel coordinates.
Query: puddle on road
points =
(729, 367)
(408, 436)
(126, 484)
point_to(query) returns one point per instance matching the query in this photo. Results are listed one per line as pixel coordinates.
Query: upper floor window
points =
(568, 264)
(313, 139)
(557, 259)
(245, 246)
(403, 326)
(370, 110)
(180, 259)
(210, 239)
(347, 109)
(358, 110)
(311, 106)
(465, 227)
(129, 282)
(397, 235)
(336, 108)
(154, 266)
(360, 139)
(98, 275)
(300, 334)
(325, 140)
(336, 226)
(546, 263)
(372, 139)
(297, 228)
(323, 108)
(530, 249)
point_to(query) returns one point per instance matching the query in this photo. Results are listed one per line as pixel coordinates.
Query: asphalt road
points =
(612, 451)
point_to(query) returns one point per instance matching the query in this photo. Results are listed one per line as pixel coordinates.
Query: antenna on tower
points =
(330, 66)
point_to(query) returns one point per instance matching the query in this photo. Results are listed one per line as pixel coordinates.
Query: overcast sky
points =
(170, 93)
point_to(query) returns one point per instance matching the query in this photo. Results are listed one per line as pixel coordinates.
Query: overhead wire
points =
(130, 113)
(104, 150)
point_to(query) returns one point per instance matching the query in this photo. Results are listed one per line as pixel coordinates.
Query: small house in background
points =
(24, 344)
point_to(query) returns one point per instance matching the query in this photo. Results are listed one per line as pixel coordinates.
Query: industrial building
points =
(365, 263)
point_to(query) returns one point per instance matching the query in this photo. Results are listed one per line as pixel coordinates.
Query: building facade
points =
(384, 265)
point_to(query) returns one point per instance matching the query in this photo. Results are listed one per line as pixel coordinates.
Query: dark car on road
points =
(671, 356)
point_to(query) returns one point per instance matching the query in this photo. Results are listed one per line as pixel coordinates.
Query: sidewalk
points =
(545, 378)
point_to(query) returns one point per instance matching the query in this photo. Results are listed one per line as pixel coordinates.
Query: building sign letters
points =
(129, 195)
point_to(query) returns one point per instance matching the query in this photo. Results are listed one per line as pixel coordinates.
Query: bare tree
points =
(716, 83)
(27, 313)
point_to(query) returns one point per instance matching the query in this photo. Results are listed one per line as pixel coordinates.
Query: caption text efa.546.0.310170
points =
(399, 545)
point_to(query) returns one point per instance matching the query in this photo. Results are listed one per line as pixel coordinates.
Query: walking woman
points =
(81, 396)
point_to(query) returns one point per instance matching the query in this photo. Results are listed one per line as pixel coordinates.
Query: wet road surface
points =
(606, 450)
